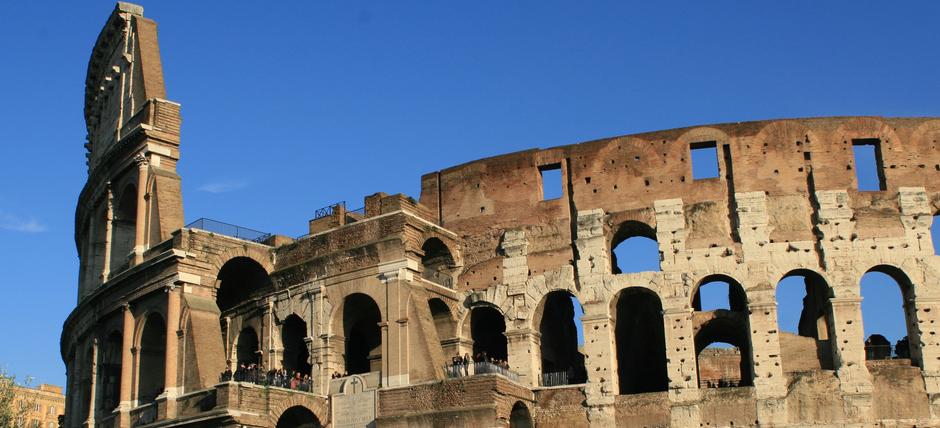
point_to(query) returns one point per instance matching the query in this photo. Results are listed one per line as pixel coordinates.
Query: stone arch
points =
(247, 347)
(558, 338)
(640, 340)
(256, 252)
(444, 323)
(724, 327)
(438, 263)
(238, 280)
(296, 356)
(737, 296)
(317, 406)
(906, 288)
(109, 370)
(639, 240)
(123, 227)
(815, 319)
(359, 316)
(298, 417)
(519, 416)
(485, 325)
(151, 351)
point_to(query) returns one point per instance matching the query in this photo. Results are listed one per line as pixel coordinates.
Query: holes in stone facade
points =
(704, 157)
(869, 166)
(363, 336)
(550, 179)
(634, 249)
(559, 320)
(640, 340)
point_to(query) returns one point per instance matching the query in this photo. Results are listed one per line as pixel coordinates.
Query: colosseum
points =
(464, 308)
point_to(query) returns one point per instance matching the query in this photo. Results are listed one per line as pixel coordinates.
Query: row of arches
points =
(638, 320)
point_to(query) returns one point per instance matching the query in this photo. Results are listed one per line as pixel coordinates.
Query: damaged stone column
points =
(522, 340)
(680, 362)
(600, 357)
(769, 381)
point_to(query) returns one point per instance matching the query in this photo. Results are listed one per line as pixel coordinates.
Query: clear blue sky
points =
(291, 106)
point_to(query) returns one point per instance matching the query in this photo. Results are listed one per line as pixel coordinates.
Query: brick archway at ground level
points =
(279, 401)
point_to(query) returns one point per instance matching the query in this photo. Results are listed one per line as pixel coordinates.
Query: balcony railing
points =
(555, 379)
(227, 229)
(478, 368)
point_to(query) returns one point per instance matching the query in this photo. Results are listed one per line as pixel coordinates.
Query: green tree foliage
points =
(13, 408)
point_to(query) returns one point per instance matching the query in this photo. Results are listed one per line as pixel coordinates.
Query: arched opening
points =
(443, 323)
(558, 322)
(438, 262)
(722, 336)
(361, 318)
(634, 249)
(239, 279)
(803, 319)
(519, 417)
(152, 356)
(641, 341)
(935, 234)
(885, 290)
(85, 385)
(719, 292)
(298, 417)
(722, 352)
(296, 354)
(246, 349)
(488, 331)
(123, 226)
(109, 372)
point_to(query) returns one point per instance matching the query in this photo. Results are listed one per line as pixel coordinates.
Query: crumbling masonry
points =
(484, 262)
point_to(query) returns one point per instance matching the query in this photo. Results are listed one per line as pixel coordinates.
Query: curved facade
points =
(373, 304)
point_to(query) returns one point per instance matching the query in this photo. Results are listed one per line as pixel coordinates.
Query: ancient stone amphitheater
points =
(357, 323)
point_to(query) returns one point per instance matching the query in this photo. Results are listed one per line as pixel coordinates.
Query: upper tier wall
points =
(786, 159)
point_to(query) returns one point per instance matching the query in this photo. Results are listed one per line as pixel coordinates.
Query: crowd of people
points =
(280, 378)
(480, 363)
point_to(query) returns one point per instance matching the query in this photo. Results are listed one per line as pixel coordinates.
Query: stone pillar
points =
(769, 381)
(522, 345)
(600, 361)
(265, 359)
(395, 364)
(681, 366)
(171, 390)
(108, 228)
(93, 379)
(923, 315)
(848, 342)
(140, 223)
(127, 367)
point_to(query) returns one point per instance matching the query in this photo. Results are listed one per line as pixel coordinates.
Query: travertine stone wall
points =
(785, 202)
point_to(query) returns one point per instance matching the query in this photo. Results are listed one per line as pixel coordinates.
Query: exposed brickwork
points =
(392, 290)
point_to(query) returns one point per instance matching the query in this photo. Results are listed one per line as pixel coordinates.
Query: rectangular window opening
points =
(704, 160)
(551, 181)
(869, 167)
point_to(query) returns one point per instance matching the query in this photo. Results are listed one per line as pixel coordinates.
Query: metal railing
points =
(478, 368)
(227, 229)
(269, 379)
(555, 379)
(327, 210)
